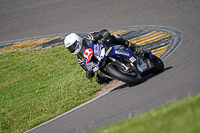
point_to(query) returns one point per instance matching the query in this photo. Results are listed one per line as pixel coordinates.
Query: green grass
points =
(179, 117)
(36, 86)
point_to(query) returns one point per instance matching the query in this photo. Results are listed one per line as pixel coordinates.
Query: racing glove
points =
(89, 74)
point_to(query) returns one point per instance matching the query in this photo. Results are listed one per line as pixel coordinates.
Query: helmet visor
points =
(73, 47)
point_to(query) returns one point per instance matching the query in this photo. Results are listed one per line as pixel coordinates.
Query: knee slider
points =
(105, 33)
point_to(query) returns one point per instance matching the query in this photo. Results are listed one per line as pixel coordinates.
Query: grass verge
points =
(36, 86)
(180, 117)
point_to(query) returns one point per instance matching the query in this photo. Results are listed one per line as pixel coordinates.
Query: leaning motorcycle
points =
(118, 62)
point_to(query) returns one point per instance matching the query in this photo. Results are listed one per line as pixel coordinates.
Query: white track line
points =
(73, 109)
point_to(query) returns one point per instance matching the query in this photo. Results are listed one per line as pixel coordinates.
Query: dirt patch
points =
(108, 87)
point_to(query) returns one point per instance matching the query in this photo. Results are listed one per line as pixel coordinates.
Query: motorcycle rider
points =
(77, 46)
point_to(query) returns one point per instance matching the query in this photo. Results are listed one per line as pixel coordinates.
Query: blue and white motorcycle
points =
(118, 62)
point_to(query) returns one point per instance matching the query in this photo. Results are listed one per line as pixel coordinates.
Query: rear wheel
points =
(125, 77)
(158, 64)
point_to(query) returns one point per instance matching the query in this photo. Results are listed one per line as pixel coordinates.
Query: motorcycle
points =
(118, 62)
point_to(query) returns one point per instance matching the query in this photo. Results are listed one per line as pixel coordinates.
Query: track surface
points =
(23, 19)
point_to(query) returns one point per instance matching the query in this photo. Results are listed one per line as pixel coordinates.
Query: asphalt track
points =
(24, 19)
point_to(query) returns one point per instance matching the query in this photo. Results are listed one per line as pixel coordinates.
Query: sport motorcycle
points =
(118, 62)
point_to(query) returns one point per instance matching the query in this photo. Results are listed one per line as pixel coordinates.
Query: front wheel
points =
(158, 64)
(115, 72)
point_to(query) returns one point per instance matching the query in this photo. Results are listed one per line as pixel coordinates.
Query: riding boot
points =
(117, 39)
(134, 47)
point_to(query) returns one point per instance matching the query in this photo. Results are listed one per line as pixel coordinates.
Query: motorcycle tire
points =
(113, 71)
(158, 64)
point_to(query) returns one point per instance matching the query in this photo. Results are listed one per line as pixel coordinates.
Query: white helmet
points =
(73, 43)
